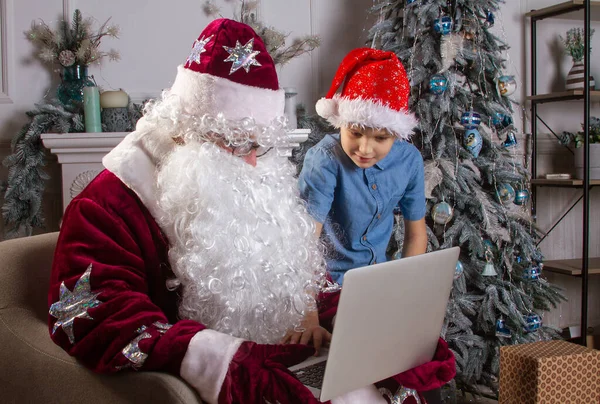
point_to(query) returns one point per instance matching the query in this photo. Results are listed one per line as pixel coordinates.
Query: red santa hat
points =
(375, 93)
(230, 72)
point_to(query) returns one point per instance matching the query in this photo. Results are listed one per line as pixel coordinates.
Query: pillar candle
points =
(91, 109)
(114, 99)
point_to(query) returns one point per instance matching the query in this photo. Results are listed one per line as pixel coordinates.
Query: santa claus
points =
(192, 253)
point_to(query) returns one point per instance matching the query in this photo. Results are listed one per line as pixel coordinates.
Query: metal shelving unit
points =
(586, 266)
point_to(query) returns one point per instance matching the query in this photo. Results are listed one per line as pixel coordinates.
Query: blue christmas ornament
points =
(459, 270)
(502, 331)
(438, 84)
(506, 85)
(505, 193)
(442, 213)
(473, 141)
(501, 121)
(397, 255)
(489, 20)
(443, 25)
(521, 197)
(410, 2)
(534, 322)
(533, 272)
(511, 139)
(470, 119)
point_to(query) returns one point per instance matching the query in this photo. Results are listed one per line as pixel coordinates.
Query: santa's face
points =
(246, 153)
(242, 243)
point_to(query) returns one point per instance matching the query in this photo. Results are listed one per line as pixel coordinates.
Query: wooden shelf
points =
(562, 183)
(564, 96)
(572, 267)
(566, 10)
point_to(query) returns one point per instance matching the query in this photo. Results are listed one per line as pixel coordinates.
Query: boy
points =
(353, 181)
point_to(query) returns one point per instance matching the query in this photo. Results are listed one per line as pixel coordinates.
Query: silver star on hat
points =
(242, 56)
(198, 49)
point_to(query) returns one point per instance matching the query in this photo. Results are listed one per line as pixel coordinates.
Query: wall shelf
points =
(571, 183)
(563, 96)
(586, 11)
(567, 10)
(572, 267)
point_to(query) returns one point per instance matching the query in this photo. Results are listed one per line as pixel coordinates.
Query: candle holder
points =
(115, 114)
(116, 119)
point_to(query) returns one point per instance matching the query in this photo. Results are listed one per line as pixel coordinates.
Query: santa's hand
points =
(431, 375)
(258, 374)
(313, 332)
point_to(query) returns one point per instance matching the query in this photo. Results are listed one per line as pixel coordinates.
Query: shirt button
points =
(375, 262)
(378, 216)
(374, 186)
(364, 238)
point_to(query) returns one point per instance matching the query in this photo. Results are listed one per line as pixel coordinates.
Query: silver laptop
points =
(389, 319)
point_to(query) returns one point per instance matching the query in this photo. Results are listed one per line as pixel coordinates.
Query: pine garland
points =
(23, 191)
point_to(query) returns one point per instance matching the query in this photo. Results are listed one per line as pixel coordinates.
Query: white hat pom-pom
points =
(327, 107)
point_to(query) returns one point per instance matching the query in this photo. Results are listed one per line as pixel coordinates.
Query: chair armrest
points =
(36, 370)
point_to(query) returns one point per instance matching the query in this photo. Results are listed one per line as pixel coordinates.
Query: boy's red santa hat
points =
(375, 94)
(230, 72)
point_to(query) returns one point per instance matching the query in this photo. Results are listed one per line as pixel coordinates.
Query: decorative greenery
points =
(318, 126)
(74, 43)
(575, 43)
(274, 40)
(22, 209)
(578, 138)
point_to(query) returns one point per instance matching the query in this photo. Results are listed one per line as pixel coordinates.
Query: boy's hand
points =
(312, 332)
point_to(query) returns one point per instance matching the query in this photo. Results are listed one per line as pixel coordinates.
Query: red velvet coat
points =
(108, 227)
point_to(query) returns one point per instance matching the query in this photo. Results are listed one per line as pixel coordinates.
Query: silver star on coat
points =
(198, 49)
(401, 395)
(242, 56)
(74, 304)
(133, 352)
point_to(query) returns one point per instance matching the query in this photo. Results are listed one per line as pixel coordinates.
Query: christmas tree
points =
(476, 186)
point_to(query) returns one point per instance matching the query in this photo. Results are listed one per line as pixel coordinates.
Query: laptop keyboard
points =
(312, 375)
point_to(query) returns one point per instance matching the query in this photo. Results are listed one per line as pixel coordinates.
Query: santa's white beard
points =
(242, 244)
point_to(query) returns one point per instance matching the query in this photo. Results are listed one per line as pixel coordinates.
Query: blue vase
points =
(70, 90)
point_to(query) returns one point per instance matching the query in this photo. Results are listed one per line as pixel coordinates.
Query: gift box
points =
(549, 372)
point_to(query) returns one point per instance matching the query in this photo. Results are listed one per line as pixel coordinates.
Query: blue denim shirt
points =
(356, 205)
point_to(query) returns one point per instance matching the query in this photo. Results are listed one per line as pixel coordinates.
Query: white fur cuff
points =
(368, 394)
(206, 362)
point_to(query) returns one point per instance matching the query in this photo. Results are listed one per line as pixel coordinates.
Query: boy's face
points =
(366, 146)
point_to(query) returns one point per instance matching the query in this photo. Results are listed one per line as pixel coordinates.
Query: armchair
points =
(32, 367)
